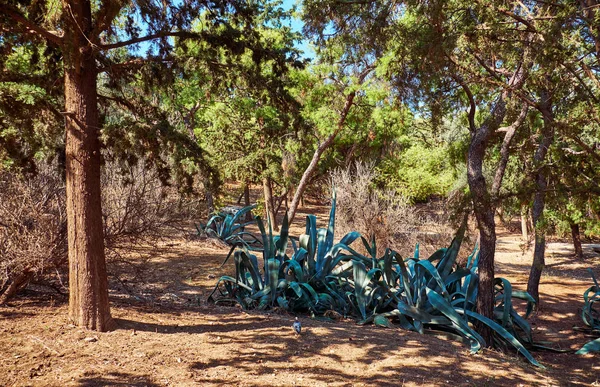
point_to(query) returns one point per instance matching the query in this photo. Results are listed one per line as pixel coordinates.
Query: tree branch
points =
(181, 34)
(585, 146)
(133, 63)
(108, 12)
(28, 26)
(472, 106)
(504, 151)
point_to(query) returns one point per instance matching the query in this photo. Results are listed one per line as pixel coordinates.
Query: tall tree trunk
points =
(484, 204)
(577, 241)
(524, 217)
(247, 200)
(484, 213)
(483, 201)
(539, 198)
(269, 205)
(88, 283)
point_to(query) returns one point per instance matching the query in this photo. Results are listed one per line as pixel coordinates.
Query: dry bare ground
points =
(169, 335)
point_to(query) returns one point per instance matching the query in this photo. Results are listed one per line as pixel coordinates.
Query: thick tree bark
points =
(88, 283)
(576, 235)
(269, 205)
(539, 198)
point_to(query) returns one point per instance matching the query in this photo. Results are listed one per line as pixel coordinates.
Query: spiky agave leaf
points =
(590, 316)
(230, 230)
(592, 346)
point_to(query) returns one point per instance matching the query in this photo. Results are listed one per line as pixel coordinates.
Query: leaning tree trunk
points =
(539, 199)
(321, 148)
(88, 283)
(15, 286)
(577, 241)
(312, 166)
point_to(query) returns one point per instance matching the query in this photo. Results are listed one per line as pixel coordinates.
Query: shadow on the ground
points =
(265, 344)
(116, 379)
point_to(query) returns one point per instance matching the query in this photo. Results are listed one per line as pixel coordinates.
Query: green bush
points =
(418, 173)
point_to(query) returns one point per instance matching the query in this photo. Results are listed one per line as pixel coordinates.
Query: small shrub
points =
(33, 237)
(229, 226)
(383, 214)
(418, 173)
(33, 232)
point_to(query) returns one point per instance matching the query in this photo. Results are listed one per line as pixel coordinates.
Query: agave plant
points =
(279, 284)
(434, 295)
(591, 316)
(431, 295)
(302, 282)
(228, 228)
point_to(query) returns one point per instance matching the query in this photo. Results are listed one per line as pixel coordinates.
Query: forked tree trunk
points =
(577, 241)
(483, 203)
(88, 284)
(539, 262)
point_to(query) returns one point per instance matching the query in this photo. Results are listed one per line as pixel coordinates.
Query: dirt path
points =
(169, 335)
